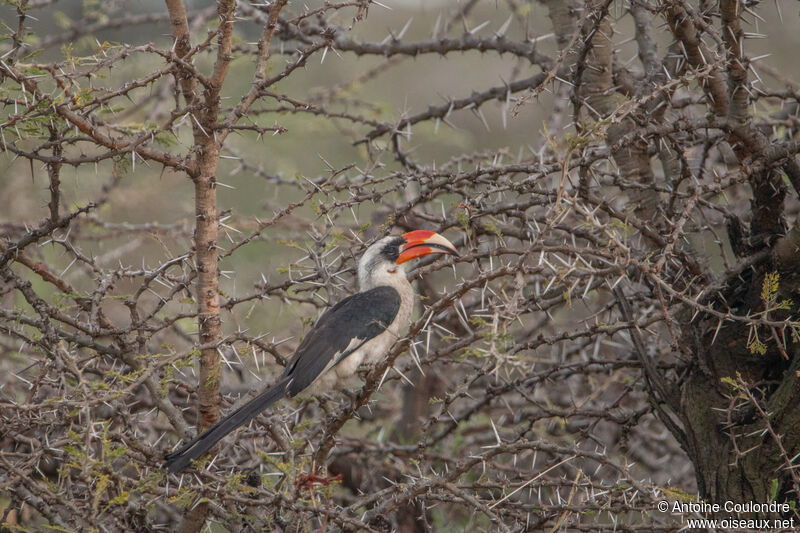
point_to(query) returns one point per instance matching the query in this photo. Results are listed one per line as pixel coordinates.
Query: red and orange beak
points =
(420, 242)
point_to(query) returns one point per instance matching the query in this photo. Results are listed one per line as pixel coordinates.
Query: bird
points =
(360, 329)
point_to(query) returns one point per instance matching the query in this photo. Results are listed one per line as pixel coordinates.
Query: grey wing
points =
(339, 332)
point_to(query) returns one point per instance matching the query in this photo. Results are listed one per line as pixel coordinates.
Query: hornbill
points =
(359, 329)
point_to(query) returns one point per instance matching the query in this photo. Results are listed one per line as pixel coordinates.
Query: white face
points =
(378, 263)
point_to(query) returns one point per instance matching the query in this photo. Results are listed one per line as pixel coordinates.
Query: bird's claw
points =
(353, 395)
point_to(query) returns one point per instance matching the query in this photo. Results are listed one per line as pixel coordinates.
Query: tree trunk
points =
(205, 238)
(738, 406)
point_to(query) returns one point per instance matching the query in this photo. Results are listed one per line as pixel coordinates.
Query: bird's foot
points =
(350, 394)
(353, 397)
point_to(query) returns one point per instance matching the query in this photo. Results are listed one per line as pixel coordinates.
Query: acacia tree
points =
(618, 331)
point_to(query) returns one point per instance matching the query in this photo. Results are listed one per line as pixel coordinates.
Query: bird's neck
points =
(392, 277)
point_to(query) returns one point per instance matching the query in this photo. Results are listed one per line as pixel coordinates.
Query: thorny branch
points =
(621, 316)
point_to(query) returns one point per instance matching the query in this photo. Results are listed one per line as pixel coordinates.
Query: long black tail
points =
(178, 460)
